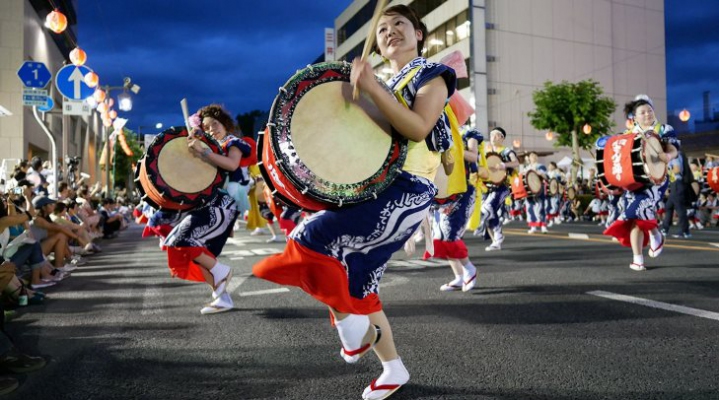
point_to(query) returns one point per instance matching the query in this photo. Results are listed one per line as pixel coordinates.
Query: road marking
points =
(236, 282)
(656, 304)
(252, 253)
(557, 236)
(578, 236)
(266, 291)
(714, 244)
(393, 281)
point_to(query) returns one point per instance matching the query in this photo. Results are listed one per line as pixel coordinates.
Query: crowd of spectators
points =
(44, 236)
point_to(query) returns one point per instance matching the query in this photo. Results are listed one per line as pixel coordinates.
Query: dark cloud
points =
(236, 53)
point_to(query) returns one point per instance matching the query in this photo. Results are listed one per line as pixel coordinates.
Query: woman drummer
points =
(536, 205)
(196, 241)
(494, 201)
(448, 228)
(637, 224)
(338, 256)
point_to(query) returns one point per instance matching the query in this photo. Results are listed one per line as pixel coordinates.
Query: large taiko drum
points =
(630, 161)
(170, 177)
(490, 173)
(321, 148)
(527, 184)
(571, 193)
(713, 179)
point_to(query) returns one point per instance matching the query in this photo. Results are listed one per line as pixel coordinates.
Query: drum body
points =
(490, 173)
(554, 187)
(526, 185)
(713, 179)
(631, 161)
(321, 149)
(571, 193)
(170, 177)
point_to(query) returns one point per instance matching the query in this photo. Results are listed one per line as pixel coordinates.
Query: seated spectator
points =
(60, 217)
(53, 238)
(111, 221)
(87, 213)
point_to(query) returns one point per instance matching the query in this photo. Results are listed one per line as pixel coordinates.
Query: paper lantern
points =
(102, 108)
(78, 56)
(56, 21)
(91, 79)
(587, 129)
(516, 143)
(99, 95)
(549, 136)
(684, 115)
(112, 114)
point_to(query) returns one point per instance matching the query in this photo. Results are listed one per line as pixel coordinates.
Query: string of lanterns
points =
(56, 21)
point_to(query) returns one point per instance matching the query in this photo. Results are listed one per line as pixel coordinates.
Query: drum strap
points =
(457, 181)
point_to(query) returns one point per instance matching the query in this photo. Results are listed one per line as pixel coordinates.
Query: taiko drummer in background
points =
(343, 251)
(637, 224)
(536, 205)
(497, 189)
(197, 239)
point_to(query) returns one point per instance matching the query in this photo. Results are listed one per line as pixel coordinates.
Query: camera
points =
(18, 190)
(73, 161)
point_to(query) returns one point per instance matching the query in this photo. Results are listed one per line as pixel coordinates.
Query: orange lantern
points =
(684, 115)
(78, 56)
(107, 122)
(549, 136)
(123, 143)
(587, 129)
(91, 79)
(516, 143)
(112, 114)
(99, 95)
(102, 108)
(56, 21)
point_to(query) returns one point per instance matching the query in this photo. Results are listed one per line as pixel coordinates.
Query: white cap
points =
(645, 98)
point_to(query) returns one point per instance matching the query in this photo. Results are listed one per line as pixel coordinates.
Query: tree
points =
(566, 108)
(123, 163)
(247, 122)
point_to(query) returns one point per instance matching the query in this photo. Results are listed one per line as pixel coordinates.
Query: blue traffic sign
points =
(34, 74)
(48, 107)
(70, 81)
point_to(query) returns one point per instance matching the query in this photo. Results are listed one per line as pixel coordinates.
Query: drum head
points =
(553, 187)
(571, 193)
(496, 176)
(181, 170)
(655, 168)
(326, 146)
(338, 139)
(533, 182)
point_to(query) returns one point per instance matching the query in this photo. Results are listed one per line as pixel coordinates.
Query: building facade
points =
(512, 47)
(23, 37)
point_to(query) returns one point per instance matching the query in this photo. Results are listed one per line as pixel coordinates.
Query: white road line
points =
(236, 282)
(578, 236)
(656, 304)
(714, 244)
(266, 291)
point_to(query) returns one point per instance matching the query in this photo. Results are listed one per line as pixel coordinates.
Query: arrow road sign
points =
(34, 74)
(70, 82)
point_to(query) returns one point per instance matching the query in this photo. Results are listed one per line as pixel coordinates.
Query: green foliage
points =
(567, 107)
(247, 122)
(123, 163)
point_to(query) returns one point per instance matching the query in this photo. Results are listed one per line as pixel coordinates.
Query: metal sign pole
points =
(52, 145)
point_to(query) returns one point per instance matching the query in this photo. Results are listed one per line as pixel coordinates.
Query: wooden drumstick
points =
(369, 42)
(185, 114)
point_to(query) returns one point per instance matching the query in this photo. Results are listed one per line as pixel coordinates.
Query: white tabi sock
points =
(469, 271)
(655, 238)
(394, 374)
(352, 330)
(219, 272)
(638, 259)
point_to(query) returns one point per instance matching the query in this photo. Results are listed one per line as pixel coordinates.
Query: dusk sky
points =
(238, 53)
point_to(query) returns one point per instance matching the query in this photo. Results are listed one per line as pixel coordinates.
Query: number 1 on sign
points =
(34, 72)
